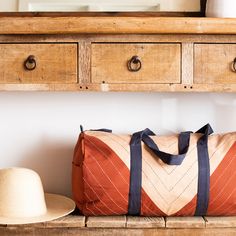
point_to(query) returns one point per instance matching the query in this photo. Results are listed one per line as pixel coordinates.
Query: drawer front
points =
(214, 64)
(117, 63)
(38, 63)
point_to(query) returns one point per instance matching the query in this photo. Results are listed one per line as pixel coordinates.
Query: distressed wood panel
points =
(70, 221)
(160, 63)
(84, 61)
(120, 225)
(106, 222)
(225, 88)
(55, 63)
(116, 232)
(185, 222)
(145, 222)
(213, 63)
(187, 63)
(221, 222)
(116, 25)
(69, 36)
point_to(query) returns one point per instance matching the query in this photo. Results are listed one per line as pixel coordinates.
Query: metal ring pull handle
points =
(134, 64)
(234, 65)
(30, 63)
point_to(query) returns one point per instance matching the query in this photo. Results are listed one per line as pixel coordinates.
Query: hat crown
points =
(22, 193)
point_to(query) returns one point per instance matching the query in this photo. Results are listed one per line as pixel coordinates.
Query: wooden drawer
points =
(214, 63)
(160, 63)
(54, 63)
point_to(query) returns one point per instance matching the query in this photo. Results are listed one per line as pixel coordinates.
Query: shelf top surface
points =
(115, 23)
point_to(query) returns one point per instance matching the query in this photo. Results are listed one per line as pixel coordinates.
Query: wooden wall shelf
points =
(107, 24)
(91, 52)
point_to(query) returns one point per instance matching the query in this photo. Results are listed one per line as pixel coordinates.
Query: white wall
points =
(39, 130)
(8, 5)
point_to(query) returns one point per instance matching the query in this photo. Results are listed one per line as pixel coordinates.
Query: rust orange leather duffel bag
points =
(144, 174)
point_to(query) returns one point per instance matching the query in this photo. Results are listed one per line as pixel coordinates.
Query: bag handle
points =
(170, 159)
(99, 130)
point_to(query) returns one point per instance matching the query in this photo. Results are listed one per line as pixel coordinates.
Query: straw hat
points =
(23, 201)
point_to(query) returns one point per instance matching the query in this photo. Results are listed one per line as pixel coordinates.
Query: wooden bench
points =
(123, 225)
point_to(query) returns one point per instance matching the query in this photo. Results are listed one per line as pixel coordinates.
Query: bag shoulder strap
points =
(203, 171)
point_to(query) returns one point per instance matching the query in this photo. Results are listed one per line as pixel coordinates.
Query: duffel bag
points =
(145, 174)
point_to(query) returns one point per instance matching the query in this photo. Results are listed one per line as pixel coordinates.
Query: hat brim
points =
(57, 206)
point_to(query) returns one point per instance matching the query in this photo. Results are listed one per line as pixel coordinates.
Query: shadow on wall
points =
(52, 161)
(225, 113)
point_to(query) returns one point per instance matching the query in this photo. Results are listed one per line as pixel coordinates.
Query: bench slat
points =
(71, 221)
(185, 222)
(106, 222)
(221, 222)
(145, 222)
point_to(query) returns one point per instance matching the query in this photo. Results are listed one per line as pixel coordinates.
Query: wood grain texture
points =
(84, 61)
(116, 25)
(116, 232)
(56, 63)
(187, 63)
(120, 225)
(221, 222)
(73, 225)
(213, 63)
(106, 222)
(185, 222)
(145, 222)
(227, 88)
(160, 63)
(70, 221)
(83, 71)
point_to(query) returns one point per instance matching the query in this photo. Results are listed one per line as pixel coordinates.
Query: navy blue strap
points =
(136, 163)
(102, 130)
(81, 128)
(203, 171)
(136, 172)
(168, 158)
